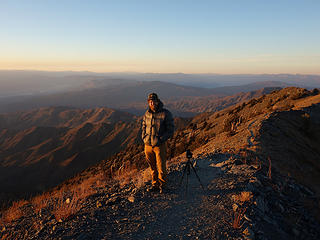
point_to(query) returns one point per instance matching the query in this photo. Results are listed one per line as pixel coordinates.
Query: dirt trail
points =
(130, 213)
(174, 215)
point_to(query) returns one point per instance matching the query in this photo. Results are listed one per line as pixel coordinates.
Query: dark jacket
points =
(157, 127)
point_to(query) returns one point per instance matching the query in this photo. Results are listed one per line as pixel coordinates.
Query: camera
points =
(189, 154)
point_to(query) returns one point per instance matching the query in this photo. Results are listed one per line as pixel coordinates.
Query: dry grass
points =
(14, 212)
(62, 210)
(39, 202)
(84, 189)
(125, 175)
(242, 197)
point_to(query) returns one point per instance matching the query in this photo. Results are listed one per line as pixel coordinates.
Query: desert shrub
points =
(252, 102)
(315, 91)
(62, 209)
(227, 123)
(14, 212)
(40, 202)
(301, 93)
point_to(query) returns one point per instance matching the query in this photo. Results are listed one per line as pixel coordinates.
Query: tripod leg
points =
(184, 171)
(197, 176)
(187, 184)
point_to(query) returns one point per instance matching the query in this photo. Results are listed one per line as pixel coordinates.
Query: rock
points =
(98, 204)
(248, 233)
(131, 199)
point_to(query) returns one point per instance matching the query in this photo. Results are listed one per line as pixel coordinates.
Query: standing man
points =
(157, 128)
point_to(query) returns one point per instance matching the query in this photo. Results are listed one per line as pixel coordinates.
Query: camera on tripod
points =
(187, 170)
(188, 154)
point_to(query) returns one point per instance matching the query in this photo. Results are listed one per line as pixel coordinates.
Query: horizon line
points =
(134, 72)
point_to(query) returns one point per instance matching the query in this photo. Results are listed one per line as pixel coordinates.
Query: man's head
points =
(153, 101)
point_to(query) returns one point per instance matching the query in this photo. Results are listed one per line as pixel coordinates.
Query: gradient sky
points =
(239, 36)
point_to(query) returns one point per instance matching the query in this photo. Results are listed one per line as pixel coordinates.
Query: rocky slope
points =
(258, 162)
(41, 148)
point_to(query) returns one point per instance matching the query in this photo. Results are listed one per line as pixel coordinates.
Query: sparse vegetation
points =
(63, 210)
(237, 218)
(14, 212)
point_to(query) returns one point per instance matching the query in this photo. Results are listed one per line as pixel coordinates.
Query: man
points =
(157, 128)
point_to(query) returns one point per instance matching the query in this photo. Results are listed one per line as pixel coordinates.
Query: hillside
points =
(258, 161)
(45, 146)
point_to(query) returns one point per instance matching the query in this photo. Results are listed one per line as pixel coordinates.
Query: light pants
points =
(156, 158)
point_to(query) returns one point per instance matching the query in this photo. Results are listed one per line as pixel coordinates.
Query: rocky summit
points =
(258, 169)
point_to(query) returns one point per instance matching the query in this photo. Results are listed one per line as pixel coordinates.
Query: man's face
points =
(153, 104)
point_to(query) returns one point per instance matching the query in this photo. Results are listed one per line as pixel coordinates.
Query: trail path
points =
(132, 213)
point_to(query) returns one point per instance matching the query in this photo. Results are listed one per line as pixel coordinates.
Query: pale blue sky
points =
(239, 36)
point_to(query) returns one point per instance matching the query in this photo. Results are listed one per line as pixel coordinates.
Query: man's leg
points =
(161, 156)
(151, 159)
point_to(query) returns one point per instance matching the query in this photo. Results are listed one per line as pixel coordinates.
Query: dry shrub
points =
(125, 175)
(238, 215)
(242, 197)
(62, 210)
(84, 189)
(14, 212)
(39, 202)
(100, 180)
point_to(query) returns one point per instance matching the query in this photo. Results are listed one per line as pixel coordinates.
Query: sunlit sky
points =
(239, 36)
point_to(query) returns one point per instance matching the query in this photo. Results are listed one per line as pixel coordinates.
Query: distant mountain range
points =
(21, 82)
(128, 96)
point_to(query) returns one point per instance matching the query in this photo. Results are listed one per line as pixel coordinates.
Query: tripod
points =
(187, 169)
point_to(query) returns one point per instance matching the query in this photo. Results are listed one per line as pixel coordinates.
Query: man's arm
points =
(169, 124)
(143, 133)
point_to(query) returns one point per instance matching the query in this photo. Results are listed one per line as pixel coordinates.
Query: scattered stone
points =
(248, 233)
(98, 204)
(131, 199)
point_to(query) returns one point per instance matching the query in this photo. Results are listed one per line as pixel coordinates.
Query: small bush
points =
(39, 202)
(14, 212)
(62, 210)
